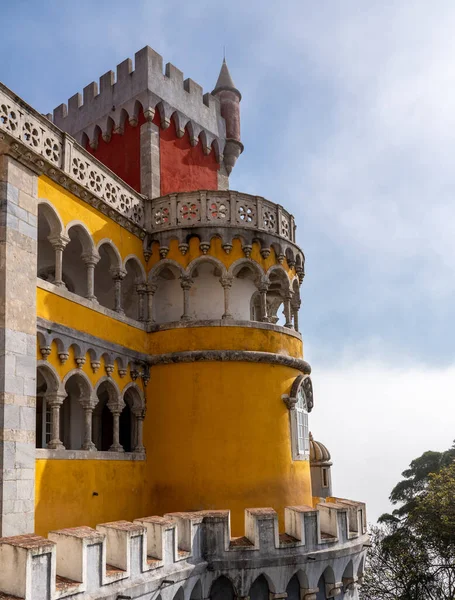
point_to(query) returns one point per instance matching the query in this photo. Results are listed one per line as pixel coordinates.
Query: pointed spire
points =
(225, 81)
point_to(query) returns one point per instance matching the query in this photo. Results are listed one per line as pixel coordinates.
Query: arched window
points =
(301, 407)
(300, 403)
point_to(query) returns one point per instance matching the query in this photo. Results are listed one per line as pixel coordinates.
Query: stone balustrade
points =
(221, 208)
(49, 149)
(140, 558)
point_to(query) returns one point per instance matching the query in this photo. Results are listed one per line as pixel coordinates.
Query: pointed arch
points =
(222, 589)
(160, 266)
(196, 592)
(261, 588)
(52, 217)
(111, 249)
(50, 376)
(215, 262)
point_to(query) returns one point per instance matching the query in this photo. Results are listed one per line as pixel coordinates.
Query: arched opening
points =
(130, 437)
(242, 292)
(130, 298)
(327, 580)
(260, 589)
(72, 412)
(293, 588)
(104, 283)
(196, 592)
(103, 420)
(222, 589)
(74, 268)
(46, 384)
(168, 298)
(206, 293)
(279, 284)
(46, 252)
(179, 595)
(348, 580)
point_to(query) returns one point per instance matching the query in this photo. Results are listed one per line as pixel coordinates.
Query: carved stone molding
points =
(230, 356)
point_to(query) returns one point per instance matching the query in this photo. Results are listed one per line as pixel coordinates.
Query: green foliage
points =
(413, 549)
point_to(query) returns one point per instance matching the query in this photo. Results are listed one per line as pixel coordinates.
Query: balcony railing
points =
(221, 209)
(20, 121)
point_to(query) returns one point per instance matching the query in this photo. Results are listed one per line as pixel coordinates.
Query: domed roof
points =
(318, 452)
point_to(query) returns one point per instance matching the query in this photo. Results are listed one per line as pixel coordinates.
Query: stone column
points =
(295, 313)
(116, 410)
(151, 289)
(88, 406)
(263, 288)
(186, 282)
(18, 266)
(141, 290)
(91, 260)
(59, 243)
(139, 443)
(287, 309)
(54, 401)
(226, 282)
(118, 275)
(150, 159)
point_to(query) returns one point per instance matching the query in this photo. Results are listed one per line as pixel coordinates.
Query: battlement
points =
(155, 551)
(104, 108)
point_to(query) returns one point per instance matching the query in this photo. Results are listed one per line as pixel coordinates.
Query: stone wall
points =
(18, 252)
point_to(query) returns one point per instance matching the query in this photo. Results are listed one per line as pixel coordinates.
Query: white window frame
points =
(298, 415)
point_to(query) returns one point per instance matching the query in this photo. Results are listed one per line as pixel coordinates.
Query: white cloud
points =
(375, 419)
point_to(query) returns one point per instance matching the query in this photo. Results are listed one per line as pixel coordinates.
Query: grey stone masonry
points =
(18, 255)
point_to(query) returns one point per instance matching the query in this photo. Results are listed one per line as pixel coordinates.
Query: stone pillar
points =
(186, 282)
(59, 243)
(287, 309)
(295, 313)
(116, 446)
(54, 401)
(150, 159)
(18, 267)
(88, 405)
(118, 275)
(141, 290)
(263, 288)
(91, 260)
(226, 282)
(139, 443)
(151, 289)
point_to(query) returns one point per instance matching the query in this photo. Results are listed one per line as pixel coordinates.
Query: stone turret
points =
(229, 97)
(320, 463)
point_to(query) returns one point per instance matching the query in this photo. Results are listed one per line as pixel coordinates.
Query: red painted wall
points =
(184, 168)
(123, 153)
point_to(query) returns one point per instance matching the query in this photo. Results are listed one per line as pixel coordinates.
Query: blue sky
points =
(348, 121)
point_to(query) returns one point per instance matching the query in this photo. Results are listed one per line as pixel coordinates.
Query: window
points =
(301, 408)
(300, 403)
(325, 477)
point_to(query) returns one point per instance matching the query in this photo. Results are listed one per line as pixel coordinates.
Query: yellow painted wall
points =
(64, 492)
(71, 208)
(217, 437)
(72, 314)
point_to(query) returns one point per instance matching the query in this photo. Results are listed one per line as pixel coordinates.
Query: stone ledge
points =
(63, 293)
(225, 323)
(44, 453)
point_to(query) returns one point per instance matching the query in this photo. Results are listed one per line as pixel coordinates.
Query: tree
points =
(413, 549)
